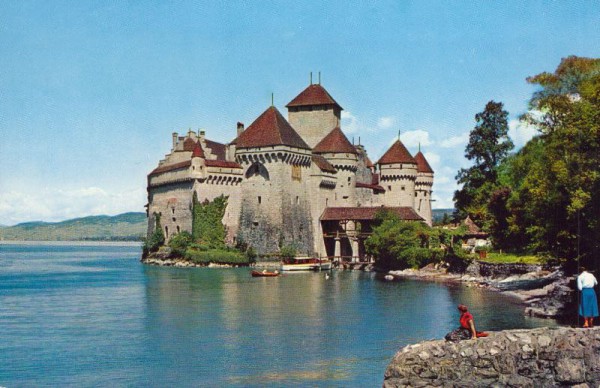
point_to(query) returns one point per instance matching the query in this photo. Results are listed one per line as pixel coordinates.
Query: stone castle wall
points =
(314, 123)
(544, 357)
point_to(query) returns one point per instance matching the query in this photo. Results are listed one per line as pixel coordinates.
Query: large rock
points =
(544, 357)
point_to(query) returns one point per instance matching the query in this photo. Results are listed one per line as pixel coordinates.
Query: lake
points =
(93, 315)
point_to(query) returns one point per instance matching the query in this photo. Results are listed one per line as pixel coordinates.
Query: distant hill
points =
(123, 227)
(438, 214)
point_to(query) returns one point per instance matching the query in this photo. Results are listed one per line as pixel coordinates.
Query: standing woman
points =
(588, 305)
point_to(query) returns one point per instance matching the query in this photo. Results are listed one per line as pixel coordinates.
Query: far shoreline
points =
(73, 243)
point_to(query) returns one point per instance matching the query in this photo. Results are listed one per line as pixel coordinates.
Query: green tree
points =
(397, 244)
(488, 145)
(180, 242)
(555, 201)
(207, 225)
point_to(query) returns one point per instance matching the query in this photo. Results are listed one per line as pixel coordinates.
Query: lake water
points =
(95, 316)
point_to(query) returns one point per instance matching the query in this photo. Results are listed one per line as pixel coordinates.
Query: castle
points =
(296, 182)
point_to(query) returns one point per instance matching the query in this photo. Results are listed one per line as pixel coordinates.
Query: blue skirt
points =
(588, 307)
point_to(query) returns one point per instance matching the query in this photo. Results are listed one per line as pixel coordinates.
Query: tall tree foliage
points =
(554, 203)
(488, 145)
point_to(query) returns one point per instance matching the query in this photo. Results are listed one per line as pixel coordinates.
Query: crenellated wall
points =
(543, 357)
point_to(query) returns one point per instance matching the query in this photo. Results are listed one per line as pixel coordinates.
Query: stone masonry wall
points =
(543, 357)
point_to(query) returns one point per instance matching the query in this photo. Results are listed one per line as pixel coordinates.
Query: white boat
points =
(306, 264)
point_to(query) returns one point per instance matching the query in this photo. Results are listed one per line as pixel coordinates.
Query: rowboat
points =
(306, 264)
(264, 273)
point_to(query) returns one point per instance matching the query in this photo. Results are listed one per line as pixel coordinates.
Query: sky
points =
(90, 91)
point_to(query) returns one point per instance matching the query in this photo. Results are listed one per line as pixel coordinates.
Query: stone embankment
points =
(544, 357)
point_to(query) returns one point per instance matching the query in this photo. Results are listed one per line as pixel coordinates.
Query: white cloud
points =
(455, 141)
(414, 138)
(349, 122)
(520, 132)
(386, 122)
(58, 204)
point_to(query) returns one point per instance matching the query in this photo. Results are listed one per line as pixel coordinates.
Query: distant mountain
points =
(123, 227)
(438, 214)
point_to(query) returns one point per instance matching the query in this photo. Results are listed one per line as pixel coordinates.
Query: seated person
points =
(467, 327)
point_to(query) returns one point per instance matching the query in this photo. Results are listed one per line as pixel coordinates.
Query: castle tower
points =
(275, 207)
(314, 113)
(398, 173)
(339, 152)
(423, 186)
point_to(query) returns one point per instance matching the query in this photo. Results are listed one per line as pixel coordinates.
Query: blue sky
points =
(90, 92)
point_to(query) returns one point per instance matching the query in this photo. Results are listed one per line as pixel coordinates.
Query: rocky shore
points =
(543, 357)
(546, 292)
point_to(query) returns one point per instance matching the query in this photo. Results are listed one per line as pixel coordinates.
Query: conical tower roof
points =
(270, 129)
(422, 164)
(397, 153)
(198, 152)
(335, 142)
(314, 94)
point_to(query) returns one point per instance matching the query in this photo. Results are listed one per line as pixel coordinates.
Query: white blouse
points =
(586, 280)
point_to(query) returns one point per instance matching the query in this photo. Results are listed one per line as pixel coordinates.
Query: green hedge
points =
(216, 256)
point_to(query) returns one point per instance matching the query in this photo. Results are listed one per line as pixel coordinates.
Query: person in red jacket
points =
(467, 327)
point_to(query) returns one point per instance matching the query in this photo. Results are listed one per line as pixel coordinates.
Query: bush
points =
(216, 256)
(156, 239)
(180, 242)
(287, 252)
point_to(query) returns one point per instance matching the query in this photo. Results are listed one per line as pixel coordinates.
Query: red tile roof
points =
(189, 144)
(313, 95)
(397, 154)
(217, 149)
(367, 213)
(171, 167)
(221, 163)
(270, 129)
(198, 151)
(422, 165)
(323, 164)
(335, 142)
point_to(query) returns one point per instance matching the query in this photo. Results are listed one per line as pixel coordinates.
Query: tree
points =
(488, 145)
(398, 244)
(555, 200)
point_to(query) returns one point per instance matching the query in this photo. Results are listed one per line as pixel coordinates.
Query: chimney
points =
(240, 128)
(201, 135)
(175, 139)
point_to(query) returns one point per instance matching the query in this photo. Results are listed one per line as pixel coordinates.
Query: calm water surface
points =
(95, 316)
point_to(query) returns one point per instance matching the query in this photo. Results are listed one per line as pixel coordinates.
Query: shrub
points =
(180, 242)
(287, 252)
(216, 256)
(156, 239)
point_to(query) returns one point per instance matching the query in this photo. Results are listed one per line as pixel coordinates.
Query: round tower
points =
(398, 174)
(423, 188)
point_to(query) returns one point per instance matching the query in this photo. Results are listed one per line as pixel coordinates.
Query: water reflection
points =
(223, 325)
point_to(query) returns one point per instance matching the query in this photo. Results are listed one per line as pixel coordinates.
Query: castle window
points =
(345, 197)
(178, 230)
(173, 210)
(166, 232)
(255, 223)
(297, 200)
(326, 202)
(296, 173)
(349, 180)
(259, 200)
(402, 188)
(389, 188)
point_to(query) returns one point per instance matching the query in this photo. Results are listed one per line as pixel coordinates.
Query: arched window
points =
(257, 171)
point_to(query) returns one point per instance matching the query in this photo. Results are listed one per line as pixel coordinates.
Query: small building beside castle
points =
(297, 182)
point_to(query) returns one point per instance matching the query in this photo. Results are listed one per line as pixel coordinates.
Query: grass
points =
(511, 258)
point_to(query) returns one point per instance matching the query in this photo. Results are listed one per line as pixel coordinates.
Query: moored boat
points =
(264, 273)
(306, 264)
